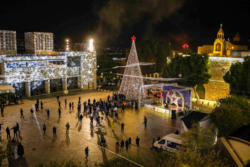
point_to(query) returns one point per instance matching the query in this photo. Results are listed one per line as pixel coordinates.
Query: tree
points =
(232, 112)
(194, 67)
(238, 77)
(154, 52)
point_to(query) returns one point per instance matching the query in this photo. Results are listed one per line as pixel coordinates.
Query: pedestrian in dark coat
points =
(17, 127)
(2, 110)
(48, 113)
(122, 126)
(21, 111)
(41, 105)
(145, 122)
(8, 133)
(59, 103)
(44, 128)
(59, 112)
(123, 107)
(137, 141)
(20, 150)
(127, 145)
(65, 103)
(87, 152)
(36, 105)
(122, 145)
(69, 106)
(129, 142)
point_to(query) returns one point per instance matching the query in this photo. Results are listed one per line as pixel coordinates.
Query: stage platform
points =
(162, 109)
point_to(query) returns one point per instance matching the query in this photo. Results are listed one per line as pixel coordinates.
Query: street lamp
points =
(91, 46)
(180, 75)
(67, 45)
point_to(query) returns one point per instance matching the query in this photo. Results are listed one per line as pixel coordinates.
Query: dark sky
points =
(113, 22)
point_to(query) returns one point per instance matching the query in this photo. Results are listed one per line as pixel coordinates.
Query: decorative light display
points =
(185, 46)
(91, 46)
(130, 86)
(40, 67)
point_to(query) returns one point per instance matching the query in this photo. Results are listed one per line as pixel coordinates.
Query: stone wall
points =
(217, 88)
(205, 49)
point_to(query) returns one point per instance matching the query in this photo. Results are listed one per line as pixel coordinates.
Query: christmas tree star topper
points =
(133, 38)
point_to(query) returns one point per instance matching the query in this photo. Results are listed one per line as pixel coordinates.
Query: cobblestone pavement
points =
(41, 148)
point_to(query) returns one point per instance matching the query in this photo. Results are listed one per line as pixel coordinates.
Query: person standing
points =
(17, 128)
(73, 106)
(113, 126)
(67, 127)
(122, 145)
(123, 107)
(117, 147)
(21, 111)
(15, 131)
(8, 133)
(122, 126)
(69, 106)
(127, 145)
(129, 142)
(48, 113)
(59, 112)
(36, 105)
(59, 103)
(87, 152)
(20, 150)
(54, 132)
(41, 105)
(137, 141)
(79, 99)
(65, 103)
(44, 128)
(31, 112)
(176, 132)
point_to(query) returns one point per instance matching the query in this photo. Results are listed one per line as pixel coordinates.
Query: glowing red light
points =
(185, 46)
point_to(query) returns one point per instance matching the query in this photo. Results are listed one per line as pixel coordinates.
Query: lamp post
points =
(67, 45)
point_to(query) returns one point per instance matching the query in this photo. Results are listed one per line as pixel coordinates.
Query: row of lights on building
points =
(91, 45)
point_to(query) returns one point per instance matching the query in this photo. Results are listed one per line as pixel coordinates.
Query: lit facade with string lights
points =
(8, 42)
(46, 71)
(222, 54)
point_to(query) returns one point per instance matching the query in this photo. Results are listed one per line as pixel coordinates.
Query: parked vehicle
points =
(170, 143)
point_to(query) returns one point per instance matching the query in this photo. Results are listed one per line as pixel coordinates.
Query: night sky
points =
(113, 22)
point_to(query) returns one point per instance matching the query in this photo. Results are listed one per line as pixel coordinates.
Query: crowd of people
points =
(95, 109)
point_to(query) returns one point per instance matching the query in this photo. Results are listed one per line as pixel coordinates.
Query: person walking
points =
(116, 115)
(113, 126)
(122, 145)
(65, 103)
(129, 142)
(31, 112)
(73, 106)
(36, 105)
(17, 127)
(8, 133)
(44, 128)
(48, 113)
(59, 103)
(122, 127)
(21, 111)
(69, 106)
(54, 132)
(2, 109)
(15, 131)
(1, 127)
(117, 147)
(123, 107)
(41, 105)
(67, 127)
(127, 145)
(87, 152)
(145, 122)
(59, 112)
(137, 141)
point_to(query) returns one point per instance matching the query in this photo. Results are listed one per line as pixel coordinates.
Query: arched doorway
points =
(218, 47)
(201, 91)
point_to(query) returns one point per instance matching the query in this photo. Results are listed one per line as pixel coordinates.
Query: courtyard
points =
(41, 148)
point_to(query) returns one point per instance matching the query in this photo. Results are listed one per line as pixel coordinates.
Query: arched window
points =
(218, 47)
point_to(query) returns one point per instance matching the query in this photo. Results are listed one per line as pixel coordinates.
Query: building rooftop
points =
(242, 133)
(193, 117)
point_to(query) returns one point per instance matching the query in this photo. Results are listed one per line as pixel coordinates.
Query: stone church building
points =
(223, 53)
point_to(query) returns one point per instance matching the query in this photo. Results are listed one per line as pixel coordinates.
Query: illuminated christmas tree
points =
(132, 78)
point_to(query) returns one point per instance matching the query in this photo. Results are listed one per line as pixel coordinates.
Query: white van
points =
(171, 143)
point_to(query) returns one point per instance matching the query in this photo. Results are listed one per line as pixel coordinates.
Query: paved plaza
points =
(40, 148)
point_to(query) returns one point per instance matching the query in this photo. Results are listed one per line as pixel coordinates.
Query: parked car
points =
(170, 143)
